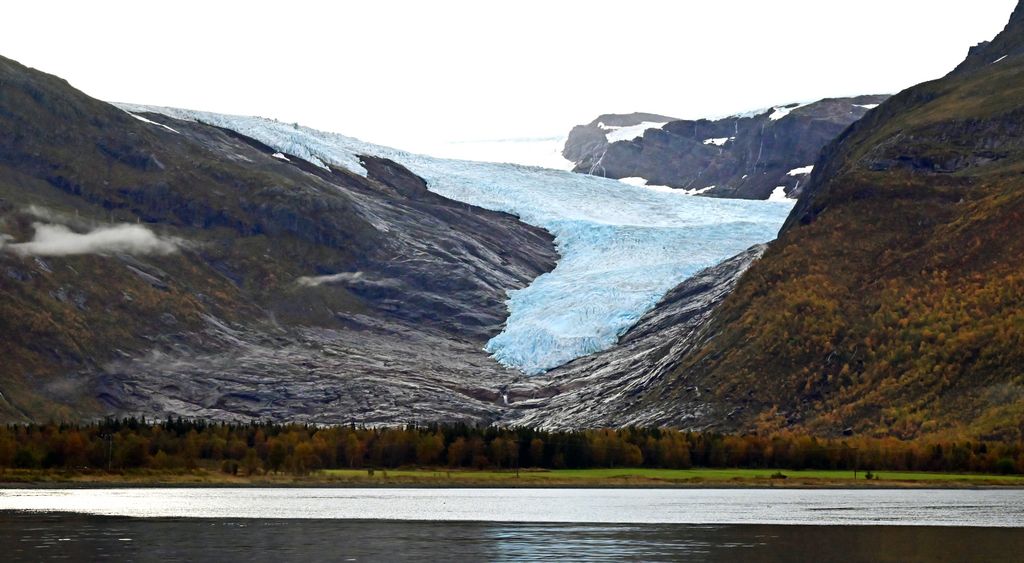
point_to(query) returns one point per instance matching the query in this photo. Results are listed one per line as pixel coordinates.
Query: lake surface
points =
(981, 508)
(186, 524)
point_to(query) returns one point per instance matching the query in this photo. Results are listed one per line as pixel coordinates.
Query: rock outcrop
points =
(750, 156)
(270, 287)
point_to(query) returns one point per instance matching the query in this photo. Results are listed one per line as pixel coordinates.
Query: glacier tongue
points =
(622, 247)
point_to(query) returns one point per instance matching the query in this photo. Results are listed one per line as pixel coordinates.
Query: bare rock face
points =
(1009, 43)
(269, 288)
(272, 288)
(585, 141)
(745, 156)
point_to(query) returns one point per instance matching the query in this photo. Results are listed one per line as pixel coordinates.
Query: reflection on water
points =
(981, 508)
(253, 524)
(27, 536)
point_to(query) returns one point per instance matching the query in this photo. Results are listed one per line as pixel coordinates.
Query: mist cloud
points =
(349, 279)
(313, 281)
(58, 240)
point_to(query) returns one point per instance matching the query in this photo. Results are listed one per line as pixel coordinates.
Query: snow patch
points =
(290, 138)
(867, 106)
(615, 133)
(151, 122)
(801, 171)
(779, 195)
(999, 59)
(621, 246)
(281, 156)
(743, 115)
(718, 142)
(698, 191)
(778, 112)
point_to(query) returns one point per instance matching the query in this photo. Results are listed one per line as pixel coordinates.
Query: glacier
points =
(621, 246)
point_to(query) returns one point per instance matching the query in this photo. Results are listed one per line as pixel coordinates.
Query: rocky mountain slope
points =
(163, 261)
(893, 301)
(621, 247)
(156, 266)
(747, 156)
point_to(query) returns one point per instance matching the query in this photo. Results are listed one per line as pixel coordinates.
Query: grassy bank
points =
(621, 477)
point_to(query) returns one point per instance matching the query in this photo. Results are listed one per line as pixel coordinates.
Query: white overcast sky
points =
(408, 72)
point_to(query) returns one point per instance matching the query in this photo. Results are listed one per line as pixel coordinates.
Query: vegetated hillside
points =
(153, 266)
(893, 301)
(744, 156)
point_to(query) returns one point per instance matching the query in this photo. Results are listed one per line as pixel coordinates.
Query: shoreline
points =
(466, 480)
(327, 485)
(531, 478)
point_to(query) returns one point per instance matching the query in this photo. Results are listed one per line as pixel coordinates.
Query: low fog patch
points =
(350, 279)
(59, 240)
(344, 277)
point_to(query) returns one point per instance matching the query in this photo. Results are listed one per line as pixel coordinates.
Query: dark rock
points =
(254, 315)
(742, 156)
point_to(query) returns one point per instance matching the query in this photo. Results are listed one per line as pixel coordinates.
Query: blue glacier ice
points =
(622, 247)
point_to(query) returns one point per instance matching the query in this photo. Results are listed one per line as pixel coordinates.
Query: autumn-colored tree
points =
(457, 452)
(353, 450)
(278, 452)
(429, 449)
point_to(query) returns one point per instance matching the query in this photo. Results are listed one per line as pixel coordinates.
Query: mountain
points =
(621, 248)
(159, 261)
(750, 156)
(160, 266)
(893, 301)
(586, 141)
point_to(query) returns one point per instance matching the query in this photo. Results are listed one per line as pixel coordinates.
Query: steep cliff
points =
(750, 156)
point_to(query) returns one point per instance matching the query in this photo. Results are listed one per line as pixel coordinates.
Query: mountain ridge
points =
(749, 156)
(891, 302)
(221, 325)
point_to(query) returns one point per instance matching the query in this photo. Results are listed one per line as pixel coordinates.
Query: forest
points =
(256, 448)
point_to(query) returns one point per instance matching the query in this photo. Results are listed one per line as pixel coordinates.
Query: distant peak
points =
(1008, 43)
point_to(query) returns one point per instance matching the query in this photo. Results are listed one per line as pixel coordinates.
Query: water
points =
(73, 537)
(621, 247)
(931, 507)
(186, 524)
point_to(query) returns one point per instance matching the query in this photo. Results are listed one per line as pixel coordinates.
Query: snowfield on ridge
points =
(622, 247)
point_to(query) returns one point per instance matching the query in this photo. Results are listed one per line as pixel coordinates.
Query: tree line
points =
(263, 447)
